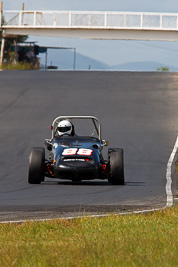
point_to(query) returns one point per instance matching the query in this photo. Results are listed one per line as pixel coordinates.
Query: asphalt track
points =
(138, 112)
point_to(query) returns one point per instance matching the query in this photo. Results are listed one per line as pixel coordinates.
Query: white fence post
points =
(141, 20)
(70, 18)
(105, 20)
(161, 21)
(34, 19)
(54, 24)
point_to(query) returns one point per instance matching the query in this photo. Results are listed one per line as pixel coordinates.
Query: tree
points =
(9, 41)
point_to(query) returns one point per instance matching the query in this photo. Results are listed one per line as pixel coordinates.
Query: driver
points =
(65, 127)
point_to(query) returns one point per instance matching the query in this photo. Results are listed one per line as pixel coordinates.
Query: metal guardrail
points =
(90, 20)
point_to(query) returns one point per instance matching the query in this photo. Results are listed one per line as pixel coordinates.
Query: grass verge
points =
(16, 66)
(131, 240)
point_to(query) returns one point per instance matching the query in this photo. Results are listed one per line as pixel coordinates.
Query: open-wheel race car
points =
(76, 157)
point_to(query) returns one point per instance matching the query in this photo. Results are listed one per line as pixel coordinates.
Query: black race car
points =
(76, 157)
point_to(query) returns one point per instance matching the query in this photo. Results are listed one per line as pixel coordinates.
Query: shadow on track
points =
(79, 183)
(91, 183)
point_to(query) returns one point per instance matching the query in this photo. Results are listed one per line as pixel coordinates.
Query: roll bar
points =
(95, 121)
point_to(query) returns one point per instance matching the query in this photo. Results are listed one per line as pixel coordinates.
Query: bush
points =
(163, 69)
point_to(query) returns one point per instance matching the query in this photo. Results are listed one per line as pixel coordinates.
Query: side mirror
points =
(105, 143)
(48, 144)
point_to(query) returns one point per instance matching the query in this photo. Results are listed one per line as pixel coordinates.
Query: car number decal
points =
(85, 151)
(69, 151)
(74, 151)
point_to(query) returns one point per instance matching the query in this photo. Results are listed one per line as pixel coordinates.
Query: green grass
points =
(16, 66)
(131, 240)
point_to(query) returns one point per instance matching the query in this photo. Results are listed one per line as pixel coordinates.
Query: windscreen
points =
(84, 127)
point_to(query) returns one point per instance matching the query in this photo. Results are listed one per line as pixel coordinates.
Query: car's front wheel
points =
(116, 160)
(36, 165)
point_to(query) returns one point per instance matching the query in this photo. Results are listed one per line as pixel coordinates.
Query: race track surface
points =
(138, 112)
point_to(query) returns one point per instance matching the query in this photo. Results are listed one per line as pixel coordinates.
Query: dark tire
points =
(116, 159)
(76, 181)
(36, 165)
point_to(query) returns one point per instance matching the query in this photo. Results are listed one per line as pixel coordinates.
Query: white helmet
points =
(64, 127)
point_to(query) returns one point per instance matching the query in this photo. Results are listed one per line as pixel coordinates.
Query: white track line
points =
(169, 194)
(84, 216)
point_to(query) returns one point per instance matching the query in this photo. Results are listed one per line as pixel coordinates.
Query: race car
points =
(76, 156)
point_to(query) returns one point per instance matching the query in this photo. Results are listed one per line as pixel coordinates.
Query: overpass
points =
(92, 25)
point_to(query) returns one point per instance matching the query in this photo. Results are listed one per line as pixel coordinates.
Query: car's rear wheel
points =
(116, 160)
(76, 181)
(36, 165)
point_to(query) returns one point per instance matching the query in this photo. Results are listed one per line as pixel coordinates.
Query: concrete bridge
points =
(92, 25)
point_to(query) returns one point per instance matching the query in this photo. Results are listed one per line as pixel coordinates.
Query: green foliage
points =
(129, 240)
(10, 41)
(2, 22)
(16, 66)
(163, 69)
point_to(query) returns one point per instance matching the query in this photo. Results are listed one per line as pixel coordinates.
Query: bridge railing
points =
(86, 19)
